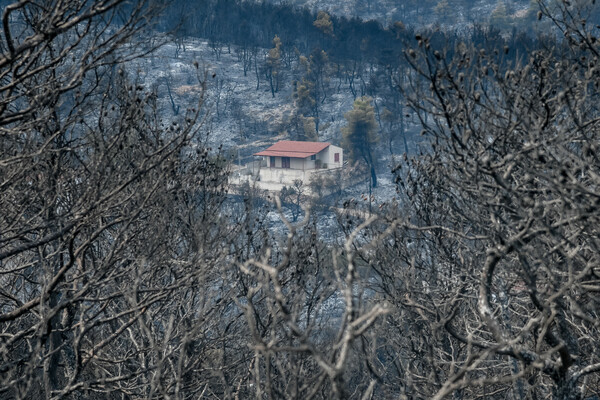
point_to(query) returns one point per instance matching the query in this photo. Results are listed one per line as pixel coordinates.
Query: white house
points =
(288, 160)
(302, 155)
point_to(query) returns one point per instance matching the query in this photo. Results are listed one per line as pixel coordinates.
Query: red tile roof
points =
(294, 149)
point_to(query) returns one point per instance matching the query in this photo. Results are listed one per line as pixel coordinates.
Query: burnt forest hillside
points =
(280, 71)
(451, 253)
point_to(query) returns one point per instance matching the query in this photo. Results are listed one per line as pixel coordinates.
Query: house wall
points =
(274, 179)
(295, 163)
(327, 156)
(282, 175)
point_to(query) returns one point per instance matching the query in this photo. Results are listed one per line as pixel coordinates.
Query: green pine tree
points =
(360, 134)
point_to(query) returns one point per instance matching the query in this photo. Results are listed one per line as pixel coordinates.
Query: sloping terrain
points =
(241, 118)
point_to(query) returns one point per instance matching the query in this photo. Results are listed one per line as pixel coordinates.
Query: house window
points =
(336, 157)
(313, 157)
(272, 162)
(285, 162)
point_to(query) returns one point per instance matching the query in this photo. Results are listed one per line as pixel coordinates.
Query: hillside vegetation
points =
(131, 267)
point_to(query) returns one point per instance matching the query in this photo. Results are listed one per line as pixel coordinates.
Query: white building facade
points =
(287, 161)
